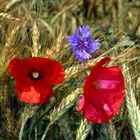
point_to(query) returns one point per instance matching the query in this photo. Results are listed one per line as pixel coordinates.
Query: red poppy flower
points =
(104, 92)
(35, 78)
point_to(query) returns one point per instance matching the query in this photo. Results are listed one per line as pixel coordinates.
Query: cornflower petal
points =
(84, 29)
(82, 44)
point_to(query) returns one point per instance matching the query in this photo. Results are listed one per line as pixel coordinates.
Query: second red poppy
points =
(104, 92)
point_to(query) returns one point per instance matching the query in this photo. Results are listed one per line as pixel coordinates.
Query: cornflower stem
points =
(22, 129)
(46, 130)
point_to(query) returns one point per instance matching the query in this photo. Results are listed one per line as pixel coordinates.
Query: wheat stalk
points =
(83, 130)
(121, 57)
(65, 104)
(64, 127)
(11, 4)
(111, 130)
(35, 38)
(57, 46)
(9, 42)
(132, 107)
(4, 16)
(27, 113)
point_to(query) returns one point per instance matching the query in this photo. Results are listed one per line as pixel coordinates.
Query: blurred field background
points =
(39, 28)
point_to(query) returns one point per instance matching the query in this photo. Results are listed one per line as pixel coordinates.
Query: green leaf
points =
(128, 43)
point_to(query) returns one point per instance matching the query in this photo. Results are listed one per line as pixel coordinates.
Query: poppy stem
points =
(46, 130)
(21, 130)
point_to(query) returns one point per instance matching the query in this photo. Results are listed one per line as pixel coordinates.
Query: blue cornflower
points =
(82, 43)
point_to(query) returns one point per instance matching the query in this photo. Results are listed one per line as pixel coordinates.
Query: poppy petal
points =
(19, 69)
(81, 103)
(104, 91)
(52, 70)
(35, 78)
(34, 95)
(101, 63)
(95, 115)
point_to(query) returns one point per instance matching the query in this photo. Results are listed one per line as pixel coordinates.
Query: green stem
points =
(21, 130)
(46, 130)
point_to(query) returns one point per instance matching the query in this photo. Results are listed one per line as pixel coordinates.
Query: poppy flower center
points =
(35, 75)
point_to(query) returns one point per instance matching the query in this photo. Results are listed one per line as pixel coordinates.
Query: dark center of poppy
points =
(35, 75)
